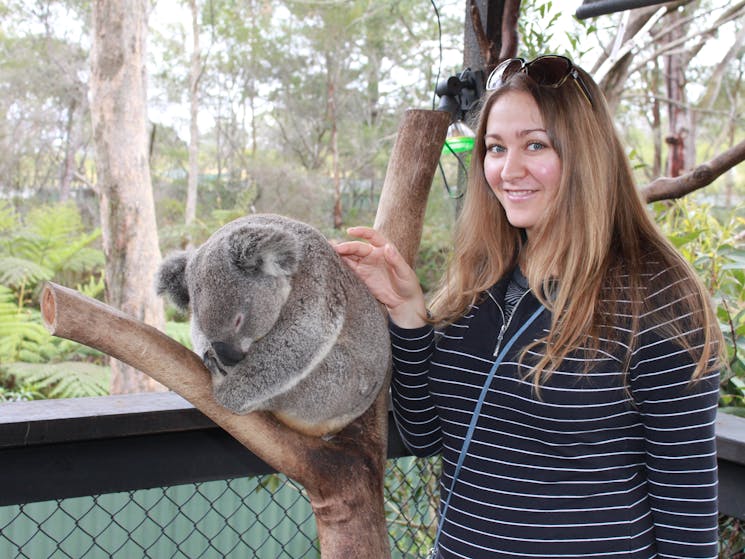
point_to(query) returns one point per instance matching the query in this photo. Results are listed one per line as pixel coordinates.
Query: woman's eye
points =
(536, 146)
(495, 148)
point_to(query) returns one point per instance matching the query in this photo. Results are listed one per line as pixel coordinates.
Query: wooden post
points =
(343, 476)
(411, 168)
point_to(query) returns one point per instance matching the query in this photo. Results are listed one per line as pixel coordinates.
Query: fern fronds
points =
(69, 379)
(17, 271)
(17, 327)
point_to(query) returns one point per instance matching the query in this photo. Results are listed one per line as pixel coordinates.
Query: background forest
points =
(292, 107)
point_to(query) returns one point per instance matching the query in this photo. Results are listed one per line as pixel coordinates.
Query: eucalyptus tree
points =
(119, 118)
(43, 95)
(350, 70)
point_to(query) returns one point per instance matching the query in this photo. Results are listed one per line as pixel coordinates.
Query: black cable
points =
(439, 42)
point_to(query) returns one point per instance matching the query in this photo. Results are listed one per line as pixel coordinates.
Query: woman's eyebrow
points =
(520, 133)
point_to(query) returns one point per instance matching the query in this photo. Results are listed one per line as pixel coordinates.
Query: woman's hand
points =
(387, 275)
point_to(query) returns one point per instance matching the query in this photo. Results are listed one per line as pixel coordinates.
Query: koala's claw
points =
(213, 364)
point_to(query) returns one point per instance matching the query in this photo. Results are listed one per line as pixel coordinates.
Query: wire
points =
(453, 193)
(439, 63)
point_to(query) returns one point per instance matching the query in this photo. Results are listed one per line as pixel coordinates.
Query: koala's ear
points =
(268, 250)
(171, 279)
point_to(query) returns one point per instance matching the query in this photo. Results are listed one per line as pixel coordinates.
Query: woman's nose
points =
(513, 166)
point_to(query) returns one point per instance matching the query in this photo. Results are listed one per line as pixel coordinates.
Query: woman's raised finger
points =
(353, 248)
(369, 234)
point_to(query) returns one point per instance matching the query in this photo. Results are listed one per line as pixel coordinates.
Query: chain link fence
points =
(263, 517)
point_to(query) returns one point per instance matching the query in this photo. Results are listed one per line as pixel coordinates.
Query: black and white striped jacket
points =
(583, 470)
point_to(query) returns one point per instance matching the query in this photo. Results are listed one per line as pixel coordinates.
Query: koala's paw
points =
(213, 366)
(225, 394)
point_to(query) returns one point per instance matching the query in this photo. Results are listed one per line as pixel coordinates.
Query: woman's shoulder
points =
(652, 293)
(652, 281)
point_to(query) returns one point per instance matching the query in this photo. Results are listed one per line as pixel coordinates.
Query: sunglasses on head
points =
(550, 70)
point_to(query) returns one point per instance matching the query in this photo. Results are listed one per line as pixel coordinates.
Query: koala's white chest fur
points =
(281, 323)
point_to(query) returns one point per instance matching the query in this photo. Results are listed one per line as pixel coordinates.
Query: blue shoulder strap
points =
(477, 411)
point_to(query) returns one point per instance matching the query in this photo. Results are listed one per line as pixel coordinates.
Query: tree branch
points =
(666, 188)
(510, 17)
(485, 45)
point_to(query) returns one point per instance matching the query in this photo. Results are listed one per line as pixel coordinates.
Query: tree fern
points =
(17, 271)
(63, 380)
(33, 363)
(7, 216)
(17, 327)
(51, 243)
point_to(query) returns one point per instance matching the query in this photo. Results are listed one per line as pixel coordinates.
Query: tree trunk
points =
(482, 33)
(334, 141)
(118, 110)
(71, 146)
(656, 123)
(612, 70)
(675, 82)
(194, 75)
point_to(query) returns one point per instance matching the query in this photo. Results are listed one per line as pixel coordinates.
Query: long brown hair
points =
(596, 239)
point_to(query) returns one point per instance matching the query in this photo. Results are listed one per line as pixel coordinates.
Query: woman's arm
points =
(416, 416)
(679, 426)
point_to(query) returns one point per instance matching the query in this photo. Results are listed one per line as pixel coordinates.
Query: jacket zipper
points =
(505, 325)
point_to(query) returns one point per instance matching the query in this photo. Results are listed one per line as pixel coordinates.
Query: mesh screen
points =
(265, 517)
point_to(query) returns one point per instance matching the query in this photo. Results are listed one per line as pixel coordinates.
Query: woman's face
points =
(520, 165)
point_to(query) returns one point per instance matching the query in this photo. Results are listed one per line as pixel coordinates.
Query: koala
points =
(282, 324)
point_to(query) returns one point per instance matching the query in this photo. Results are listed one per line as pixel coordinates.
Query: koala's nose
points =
(227, 354)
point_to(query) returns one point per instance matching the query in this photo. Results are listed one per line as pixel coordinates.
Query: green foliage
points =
(20, 332)
(545, 29)
(714, 247)
(63, 380)
(179, 331)
(50, 243)
(22, 393)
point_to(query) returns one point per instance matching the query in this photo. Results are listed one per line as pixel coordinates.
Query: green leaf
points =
(739, 383)
(64, 380)
(681, 239)
(19, 271)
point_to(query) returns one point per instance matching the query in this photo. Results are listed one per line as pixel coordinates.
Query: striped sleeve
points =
(678, 418)
(414, 412)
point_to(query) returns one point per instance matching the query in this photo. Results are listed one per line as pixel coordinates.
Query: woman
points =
(593, 436)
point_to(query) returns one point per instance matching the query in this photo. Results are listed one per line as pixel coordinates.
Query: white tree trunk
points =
(118, 110)
(194, 75)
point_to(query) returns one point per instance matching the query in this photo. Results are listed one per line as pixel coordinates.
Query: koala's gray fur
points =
(281, 322)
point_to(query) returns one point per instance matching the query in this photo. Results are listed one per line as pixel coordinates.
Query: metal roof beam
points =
(593, 8)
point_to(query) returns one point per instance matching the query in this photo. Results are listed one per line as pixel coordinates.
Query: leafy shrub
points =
(715, 248)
